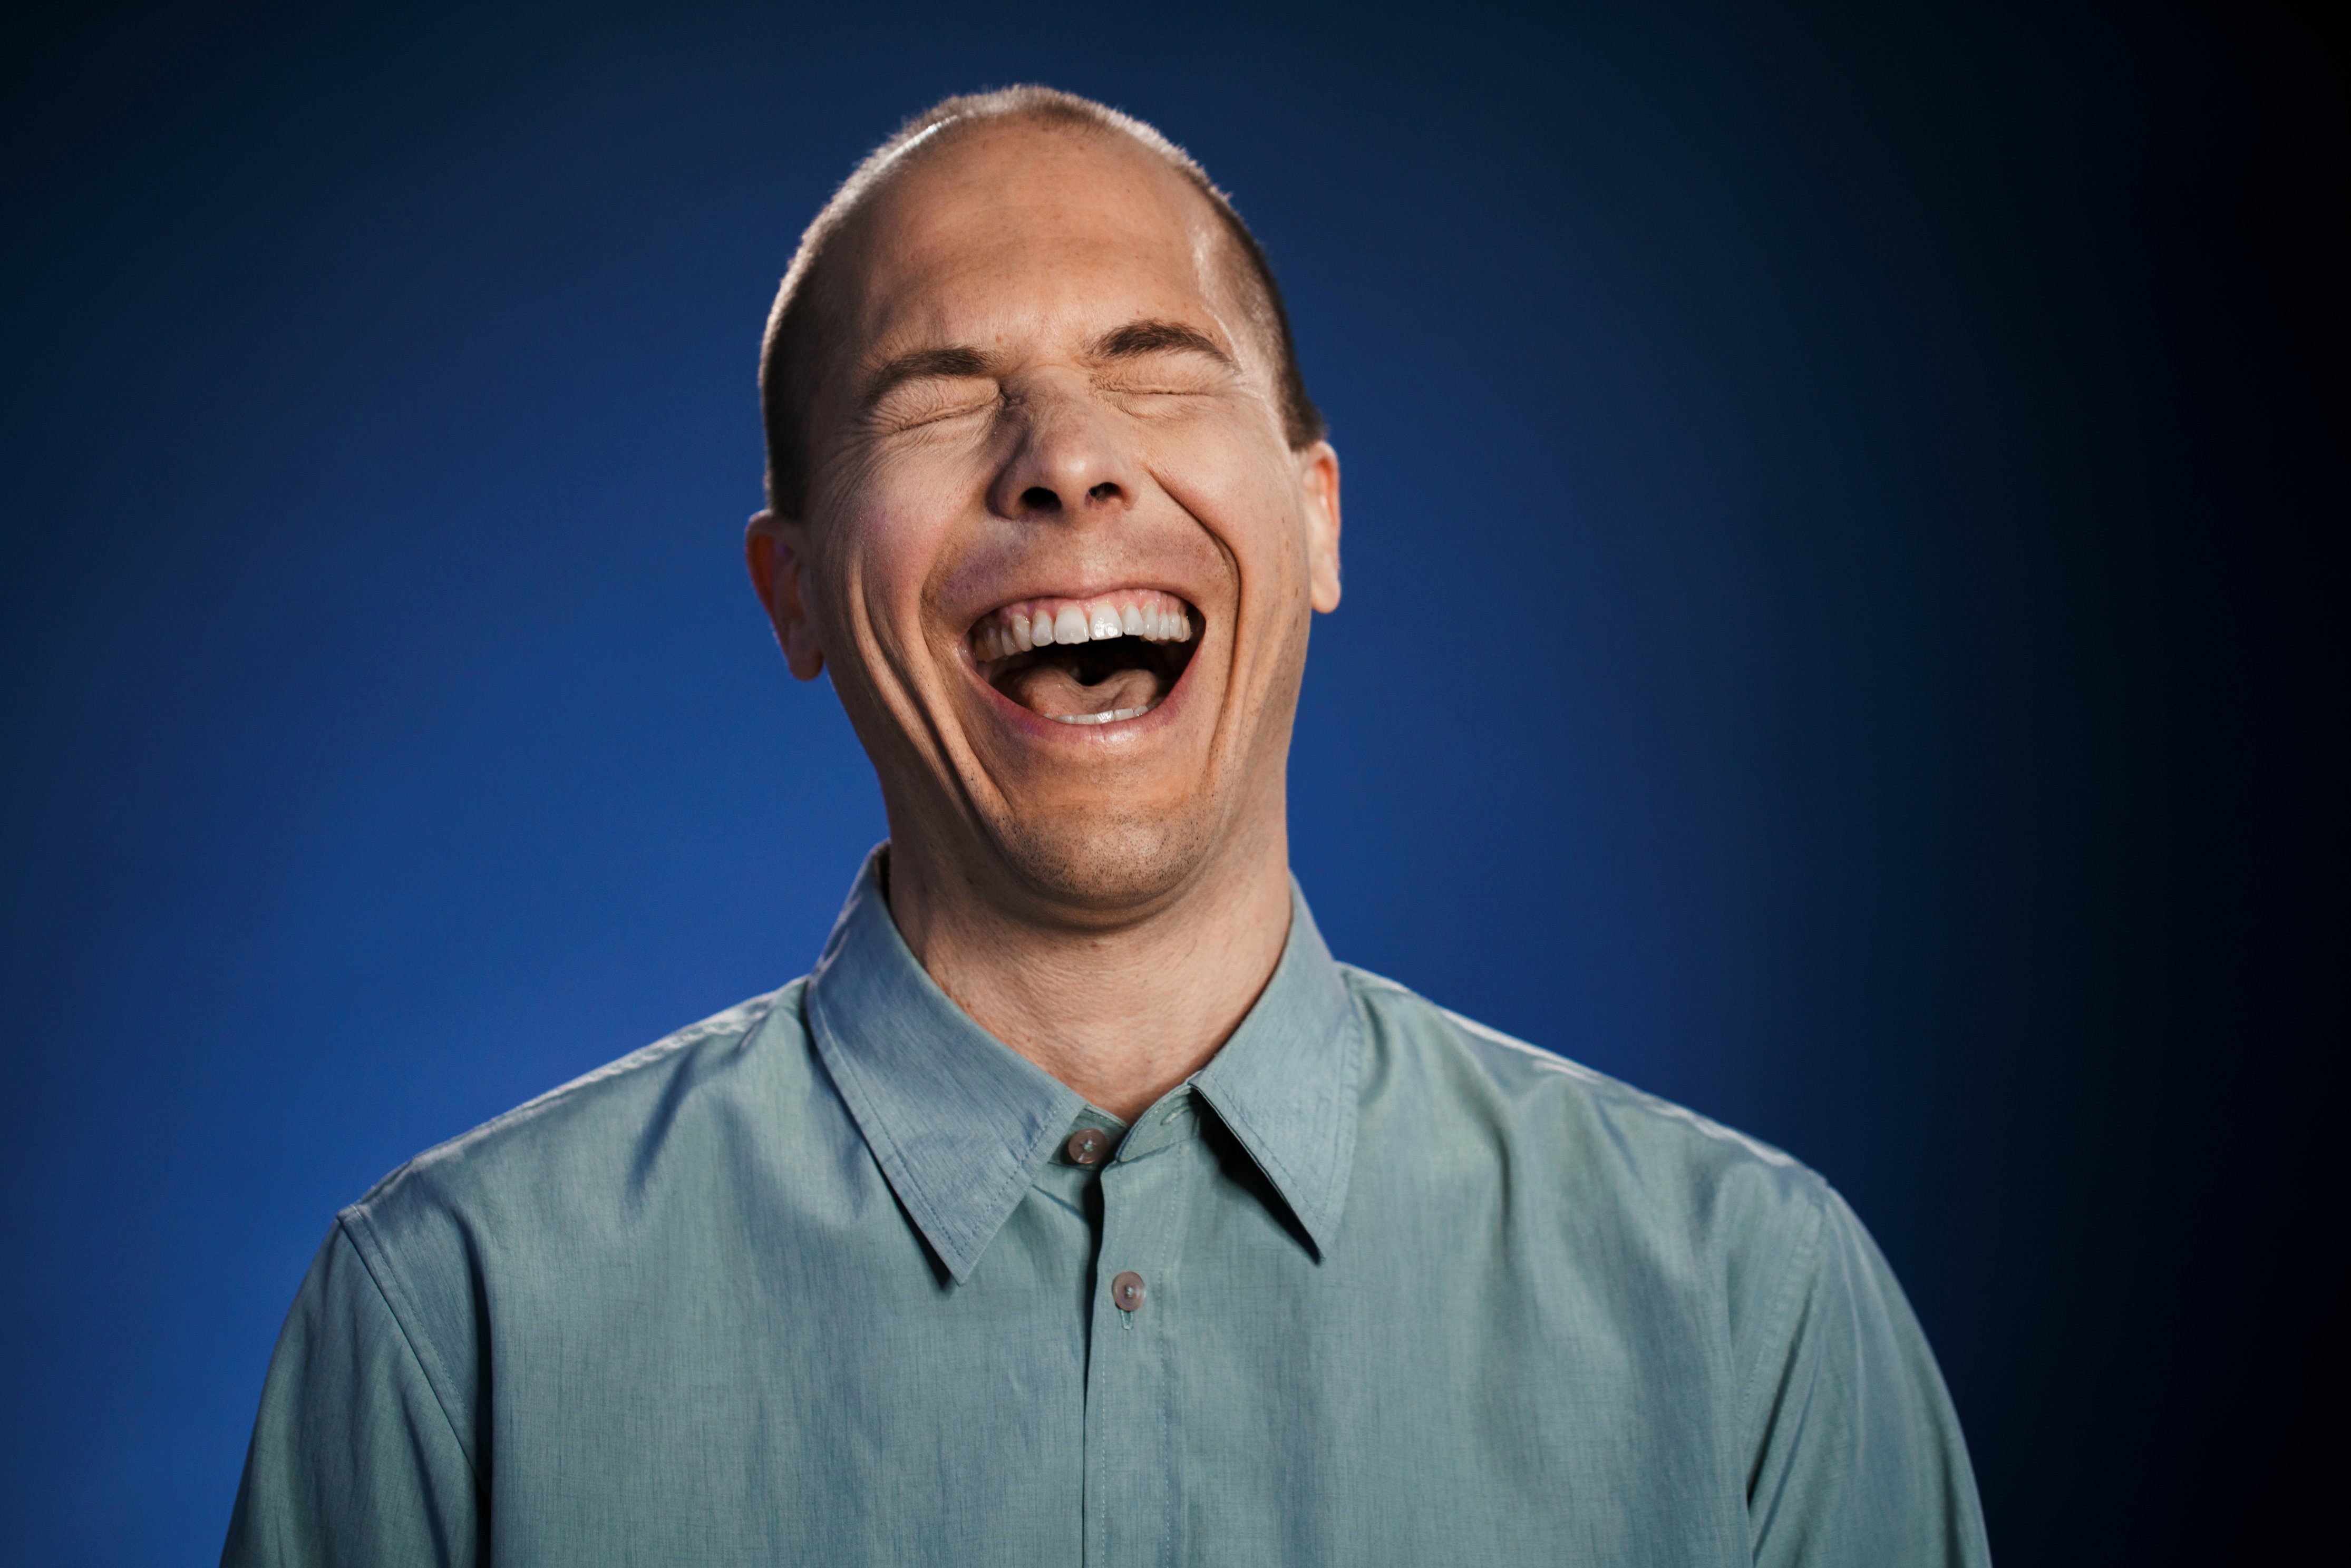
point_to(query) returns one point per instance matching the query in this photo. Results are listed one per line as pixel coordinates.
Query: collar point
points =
(958, 1265)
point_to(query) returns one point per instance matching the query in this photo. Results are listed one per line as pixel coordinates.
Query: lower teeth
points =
(1116, 713)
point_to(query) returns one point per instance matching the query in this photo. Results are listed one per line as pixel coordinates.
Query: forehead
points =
(1022, 229)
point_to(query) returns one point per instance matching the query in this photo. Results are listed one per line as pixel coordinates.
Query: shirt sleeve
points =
(1857, 1456)
(354, 1461)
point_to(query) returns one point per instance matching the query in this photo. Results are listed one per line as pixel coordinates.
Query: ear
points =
(774, 551)
(1318, 474)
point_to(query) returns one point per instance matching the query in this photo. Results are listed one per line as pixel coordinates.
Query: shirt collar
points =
(960, 1122)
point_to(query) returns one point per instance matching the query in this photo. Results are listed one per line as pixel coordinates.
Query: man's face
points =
(1049, 416)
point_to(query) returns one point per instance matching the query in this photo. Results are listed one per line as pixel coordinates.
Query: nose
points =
(1066, 465)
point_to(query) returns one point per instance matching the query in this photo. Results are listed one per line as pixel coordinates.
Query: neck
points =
(1121, 1011)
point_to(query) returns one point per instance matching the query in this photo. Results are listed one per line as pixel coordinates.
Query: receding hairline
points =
(881, 204)
(1239, 264)
(1007, 108)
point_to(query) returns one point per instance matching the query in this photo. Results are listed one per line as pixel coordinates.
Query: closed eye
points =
(924, 386)
(930, 399)
(1172, 376)
(1166, 374)
(1160, 359)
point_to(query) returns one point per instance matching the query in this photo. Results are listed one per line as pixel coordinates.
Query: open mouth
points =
(1087, 661)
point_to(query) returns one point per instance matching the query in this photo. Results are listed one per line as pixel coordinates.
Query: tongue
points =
(1055, 691)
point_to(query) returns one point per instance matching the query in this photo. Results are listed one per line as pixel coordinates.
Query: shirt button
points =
(1127, 1291)
(1087, 1147)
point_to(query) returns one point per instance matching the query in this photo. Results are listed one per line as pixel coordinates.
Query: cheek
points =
(888, 545)
(1245, 495)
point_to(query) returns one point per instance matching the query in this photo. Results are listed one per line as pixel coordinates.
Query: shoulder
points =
(1657, 1167)
(518, 1212)
(571, 1154)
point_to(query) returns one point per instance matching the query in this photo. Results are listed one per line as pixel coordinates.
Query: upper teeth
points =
(1146, 614)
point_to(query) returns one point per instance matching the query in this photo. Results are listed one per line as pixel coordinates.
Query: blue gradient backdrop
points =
(1840, 631)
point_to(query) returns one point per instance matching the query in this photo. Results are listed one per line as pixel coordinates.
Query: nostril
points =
(1038, 498)
(1101, 492)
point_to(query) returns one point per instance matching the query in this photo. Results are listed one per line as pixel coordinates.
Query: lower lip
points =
(1119, 730)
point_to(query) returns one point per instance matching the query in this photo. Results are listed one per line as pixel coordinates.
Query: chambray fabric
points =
(812, 1282)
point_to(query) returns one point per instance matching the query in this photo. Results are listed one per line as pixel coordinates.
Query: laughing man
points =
(1078, 1208)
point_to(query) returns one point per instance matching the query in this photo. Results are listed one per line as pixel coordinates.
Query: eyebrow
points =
(1149, 337)
(924, 362)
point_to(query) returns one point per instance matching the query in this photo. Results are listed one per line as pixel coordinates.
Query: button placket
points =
(1133, 1423)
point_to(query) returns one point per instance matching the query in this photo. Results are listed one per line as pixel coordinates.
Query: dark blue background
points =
(1839, 631)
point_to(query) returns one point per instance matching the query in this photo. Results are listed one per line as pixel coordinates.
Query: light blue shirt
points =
(819, 1280)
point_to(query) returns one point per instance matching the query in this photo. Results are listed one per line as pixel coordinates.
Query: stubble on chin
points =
(1106, 863)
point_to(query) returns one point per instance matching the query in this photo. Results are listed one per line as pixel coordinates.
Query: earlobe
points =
(775, 568)
(1321, 477)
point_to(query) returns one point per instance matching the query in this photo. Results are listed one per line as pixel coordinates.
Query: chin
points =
(1107, 863)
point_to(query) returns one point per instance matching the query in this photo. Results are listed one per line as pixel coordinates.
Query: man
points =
(1078, 1208)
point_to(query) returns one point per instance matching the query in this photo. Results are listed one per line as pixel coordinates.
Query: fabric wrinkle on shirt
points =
(829, 1277)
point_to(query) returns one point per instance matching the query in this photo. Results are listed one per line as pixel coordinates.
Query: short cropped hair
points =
(799, 336)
